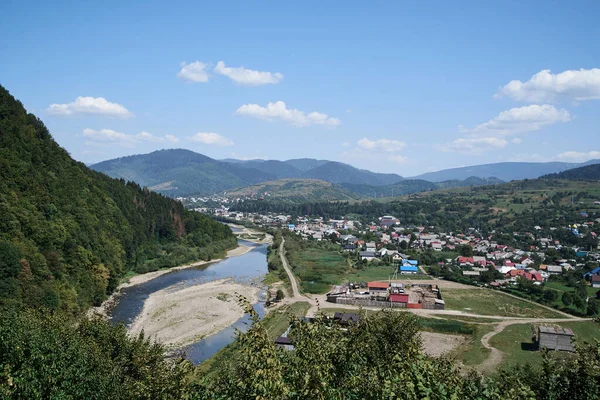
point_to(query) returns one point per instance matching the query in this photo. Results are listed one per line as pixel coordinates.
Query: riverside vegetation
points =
(67, 237)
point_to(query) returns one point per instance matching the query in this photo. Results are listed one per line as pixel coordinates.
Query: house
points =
(408, 269)
(465, 261)
(554, 269)
(349, 247)
(346, 318)
(595, 281)
(555, 338)
(367, 255)
(284, 342)
(595, 271)
(370, 247)
(378, 287)
(471, 273)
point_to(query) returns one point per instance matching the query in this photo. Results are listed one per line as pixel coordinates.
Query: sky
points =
(389, 86)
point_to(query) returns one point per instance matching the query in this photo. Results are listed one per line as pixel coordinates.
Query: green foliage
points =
(68, 234)
(54, 356)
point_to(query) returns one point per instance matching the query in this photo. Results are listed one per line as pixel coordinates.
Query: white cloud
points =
(385, 145)
(193, 72)
(522, 119)
(171, 138)
(89, 106)
(476, 144)
(574, 85)
(210, 138)
(576, 156)
(379, 149)
(246, 76)
(517, 141)
(109, 135)
(279, 111)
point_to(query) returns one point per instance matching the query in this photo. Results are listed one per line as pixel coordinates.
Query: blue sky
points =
(405, 87)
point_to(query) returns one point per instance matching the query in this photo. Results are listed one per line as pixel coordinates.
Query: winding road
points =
(489, 364)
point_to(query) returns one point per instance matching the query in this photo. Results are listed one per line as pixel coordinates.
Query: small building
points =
(367, 255)
(346, 318)
(284, 342)
(555, 338)
(349, 247)
(378, 287)
(408, 269)
(399, 298)
(595, 281)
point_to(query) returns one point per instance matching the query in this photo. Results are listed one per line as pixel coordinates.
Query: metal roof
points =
(557, 330)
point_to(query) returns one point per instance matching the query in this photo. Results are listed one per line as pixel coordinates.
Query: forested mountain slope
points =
(181, 172)
(589, 172)
(68, 234)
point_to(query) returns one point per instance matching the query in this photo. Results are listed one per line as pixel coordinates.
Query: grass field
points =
(489, 302)
(562, 287)
(370, 273)
(474, 353)
(318, 269)
(277, 321)
(515, 340)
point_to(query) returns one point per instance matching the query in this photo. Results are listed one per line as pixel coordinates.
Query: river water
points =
(242, 268)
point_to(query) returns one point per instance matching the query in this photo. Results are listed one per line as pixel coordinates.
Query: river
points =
(242, 268)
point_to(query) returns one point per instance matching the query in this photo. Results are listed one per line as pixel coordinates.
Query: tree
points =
(550, 295)
(279, 295)
(567, 298)
(592, 306)
(465, 250)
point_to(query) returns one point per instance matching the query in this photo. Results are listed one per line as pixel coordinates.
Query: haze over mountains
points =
(179, 172)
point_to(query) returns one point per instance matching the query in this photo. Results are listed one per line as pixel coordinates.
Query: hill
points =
(337, 172)
(68, 234)
(296, 190)
(305, 164)
(180, 172)
(506, 171)
(280, 169)
(589, 172)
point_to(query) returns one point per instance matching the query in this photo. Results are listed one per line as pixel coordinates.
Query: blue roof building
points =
(407, 269)
(595, 271)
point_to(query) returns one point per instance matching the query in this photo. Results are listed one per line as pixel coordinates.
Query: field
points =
(318, 269)
(277, 321)
(560, 286)
(473, 353)
(489, 302)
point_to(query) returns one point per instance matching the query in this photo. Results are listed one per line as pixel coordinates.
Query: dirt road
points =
(288, 271)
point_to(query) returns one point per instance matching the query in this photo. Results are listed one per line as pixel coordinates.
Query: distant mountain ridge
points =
(179, 172)
(506, 171)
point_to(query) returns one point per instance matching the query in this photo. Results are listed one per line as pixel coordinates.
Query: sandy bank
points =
(143, 278)
(182, 315)
(252, 235)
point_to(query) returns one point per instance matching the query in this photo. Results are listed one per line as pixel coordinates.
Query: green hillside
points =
(69, 234)
(589, 172)
(179, 172)
(296, 190)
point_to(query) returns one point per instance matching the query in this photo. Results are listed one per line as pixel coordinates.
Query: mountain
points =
(470, 181)
(305, 164)
(589, 172)
(410, 186)
(296, 190)
(401, 188)
(280, 169)
(505, 171)
(337, 172)
(68, 234)
(180, 172)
